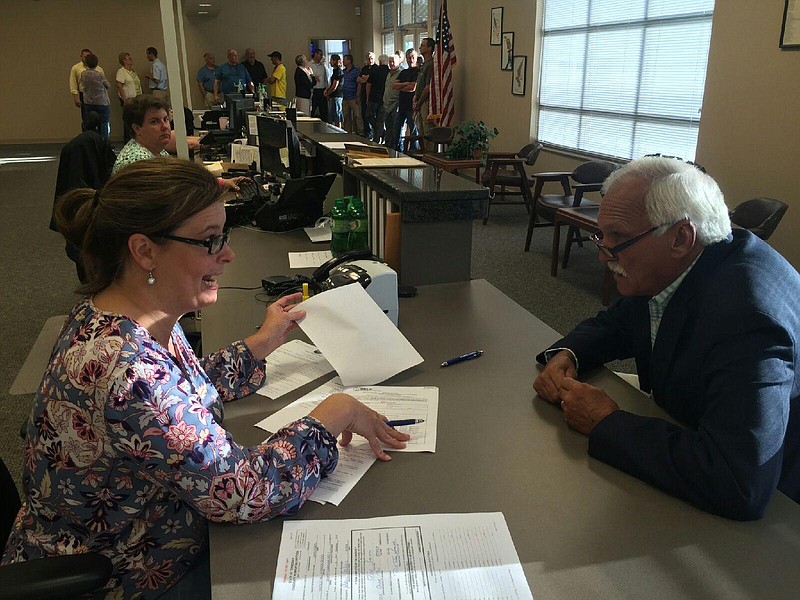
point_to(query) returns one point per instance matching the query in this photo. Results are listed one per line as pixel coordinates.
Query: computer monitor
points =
(271, 138)
(299, 205)
(293, 145)
(238, 107)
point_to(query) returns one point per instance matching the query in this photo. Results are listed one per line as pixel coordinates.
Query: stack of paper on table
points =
(401, 162)
(429, 557)
(357, 458)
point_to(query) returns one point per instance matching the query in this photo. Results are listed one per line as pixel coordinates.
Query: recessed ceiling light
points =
(204, 5)
(202, 12)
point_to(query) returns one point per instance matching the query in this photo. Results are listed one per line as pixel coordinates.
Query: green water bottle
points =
(340, 227)
(359, 235)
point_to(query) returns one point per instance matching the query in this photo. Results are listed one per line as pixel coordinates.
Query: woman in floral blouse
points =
(125, 452)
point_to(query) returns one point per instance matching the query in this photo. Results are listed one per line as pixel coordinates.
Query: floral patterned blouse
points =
(125, 453)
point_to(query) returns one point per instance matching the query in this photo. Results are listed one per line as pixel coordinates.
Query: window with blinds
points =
(624, 78)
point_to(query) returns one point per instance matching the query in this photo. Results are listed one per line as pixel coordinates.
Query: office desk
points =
(436, 209)
(581, 528)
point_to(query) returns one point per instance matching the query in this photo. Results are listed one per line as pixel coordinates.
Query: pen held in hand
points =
(401, 422)
(462, 358)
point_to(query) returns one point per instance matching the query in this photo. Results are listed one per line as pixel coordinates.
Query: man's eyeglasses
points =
(214, 244)
(613, 251)
(688, 162)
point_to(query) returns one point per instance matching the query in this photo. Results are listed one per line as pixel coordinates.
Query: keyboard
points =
(249, 190)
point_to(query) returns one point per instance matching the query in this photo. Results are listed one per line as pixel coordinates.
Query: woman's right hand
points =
(343, 414)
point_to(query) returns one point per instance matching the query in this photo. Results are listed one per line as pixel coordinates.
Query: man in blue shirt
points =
(157, 75)
(350, 100)
(206, 77)
(232, 77)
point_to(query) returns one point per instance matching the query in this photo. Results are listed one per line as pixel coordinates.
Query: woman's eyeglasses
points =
(214, 244)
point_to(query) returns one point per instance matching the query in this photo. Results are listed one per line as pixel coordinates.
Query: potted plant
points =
(471, 140)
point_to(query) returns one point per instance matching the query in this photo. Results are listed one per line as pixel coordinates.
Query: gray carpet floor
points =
(38, 279)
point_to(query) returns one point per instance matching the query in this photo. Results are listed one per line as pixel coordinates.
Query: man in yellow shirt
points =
(277, 82)
(75, 85)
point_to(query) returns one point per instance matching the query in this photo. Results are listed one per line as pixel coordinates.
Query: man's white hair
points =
(677, 190)
(383, 59)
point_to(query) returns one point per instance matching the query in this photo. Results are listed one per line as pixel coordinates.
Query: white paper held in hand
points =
(356, 337)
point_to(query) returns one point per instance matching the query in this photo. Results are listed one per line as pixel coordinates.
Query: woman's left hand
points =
(277, 323)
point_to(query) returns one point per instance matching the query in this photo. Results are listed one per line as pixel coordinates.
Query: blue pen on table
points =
(401, 422)
(462, 358)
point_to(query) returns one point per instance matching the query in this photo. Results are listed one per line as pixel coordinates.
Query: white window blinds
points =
(624, 78)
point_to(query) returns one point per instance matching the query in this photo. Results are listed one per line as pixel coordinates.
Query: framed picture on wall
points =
(496, 26)
(790, 29)
(518, 76)
(507, 51)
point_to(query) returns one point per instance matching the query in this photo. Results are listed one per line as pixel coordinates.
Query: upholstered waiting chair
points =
(589, 177)
(507, 170)
(67, 576)
(759, 215)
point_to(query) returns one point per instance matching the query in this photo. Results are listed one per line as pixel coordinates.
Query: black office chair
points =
(52, 578)
(85, 161)
(759, 215)
(589, 177)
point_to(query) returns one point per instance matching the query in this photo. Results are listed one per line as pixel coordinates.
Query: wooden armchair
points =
(507, 169)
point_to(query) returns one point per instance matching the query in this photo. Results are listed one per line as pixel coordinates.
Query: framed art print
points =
(518, 75)
(507, 51)
(790, 29)
(496, 26)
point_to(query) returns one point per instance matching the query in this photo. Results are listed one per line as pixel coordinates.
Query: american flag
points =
(444, 58)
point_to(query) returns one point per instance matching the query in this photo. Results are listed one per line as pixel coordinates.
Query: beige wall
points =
(39, 43)
(46, 38)
(749, 133)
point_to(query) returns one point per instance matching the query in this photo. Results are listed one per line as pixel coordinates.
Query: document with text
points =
(305, 260)
(292, 366)
(392, 402)
(425, 557)
(356, 336)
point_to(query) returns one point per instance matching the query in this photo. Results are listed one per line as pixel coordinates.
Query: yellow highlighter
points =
(305, 292)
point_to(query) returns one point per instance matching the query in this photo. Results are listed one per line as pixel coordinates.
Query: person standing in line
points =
(391, 97)
(158, 75)
(350, 100)
(95, 93)
(303, 84)
(422, 93)
(128, 86)
(375, 87)
(231, 77)
(363, 78)
(75, 87)
(256, 69)
(334, 92)
(277, 81)
(400, 60)
(319, 103)
(206, 76)
(406, 83)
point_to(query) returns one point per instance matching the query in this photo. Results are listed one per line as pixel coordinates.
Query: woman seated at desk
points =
(125, 454)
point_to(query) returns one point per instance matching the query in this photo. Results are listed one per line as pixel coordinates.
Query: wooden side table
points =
(584, 218)
(452, 166)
